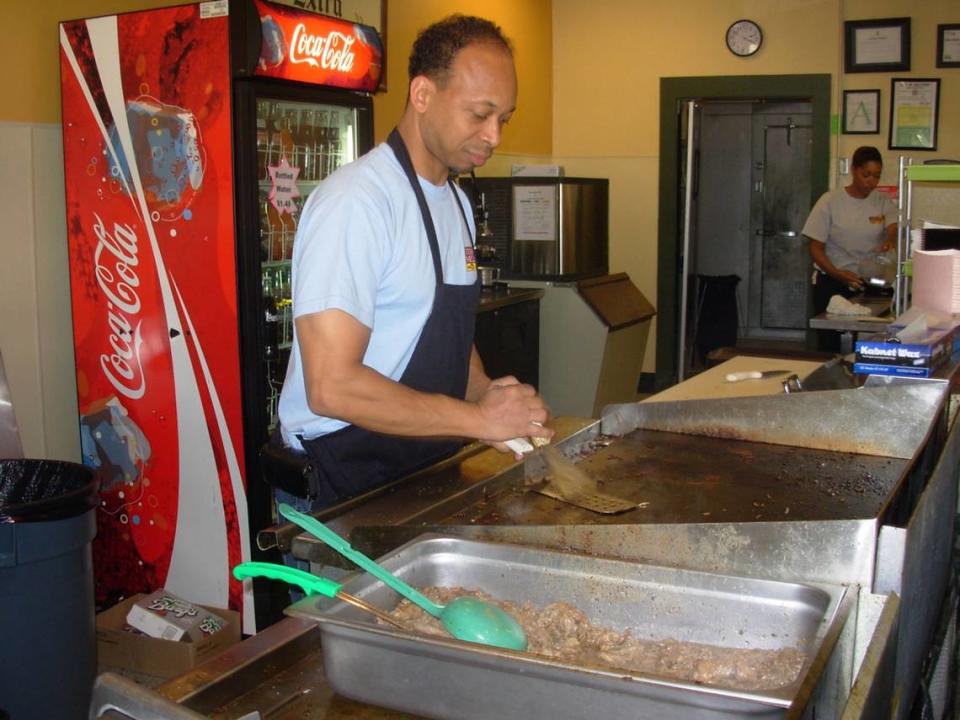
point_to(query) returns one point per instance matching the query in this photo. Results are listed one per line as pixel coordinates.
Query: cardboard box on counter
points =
(876, 355)
(163, 615)
(124, 647)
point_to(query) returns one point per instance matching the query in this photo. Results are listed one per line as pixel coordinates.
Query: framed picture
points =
(876, 45)
(948, 46)
(861, 112)
(914, 106)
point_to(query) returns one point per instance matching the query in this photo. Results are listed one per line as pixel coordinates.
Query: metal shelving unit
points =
(908, 175)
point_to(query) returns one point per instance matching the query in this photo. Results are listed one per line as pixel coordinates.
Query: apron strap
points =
(463, 214)
(403, 157)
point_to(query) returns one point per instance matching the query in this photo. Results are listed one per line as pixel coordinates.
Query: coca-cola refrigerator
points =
(191, 136)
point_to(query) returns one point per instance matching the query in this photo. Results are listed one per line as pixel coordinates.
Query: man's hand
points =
(510, 409)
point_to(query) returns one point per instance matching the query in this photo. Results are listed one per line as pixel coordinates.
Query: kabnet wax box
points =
(879, 356)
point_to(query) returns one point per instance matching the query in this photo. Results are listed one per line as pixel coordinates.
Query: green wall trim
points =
(673, 93)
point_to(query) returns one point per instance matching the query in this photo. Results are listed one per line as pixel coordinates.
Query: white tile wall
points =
(35, 327)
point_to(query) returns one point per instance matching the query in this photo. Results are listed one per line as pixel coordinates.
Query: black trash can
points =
(48, 651)
(717, 317)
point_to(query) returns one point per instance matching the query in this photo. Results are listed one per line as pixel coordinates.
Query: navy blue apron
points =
(352, 459)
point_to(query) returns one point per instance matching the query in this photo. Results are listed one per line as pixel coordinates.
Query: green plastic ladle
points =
(310, 584)
(465, 618)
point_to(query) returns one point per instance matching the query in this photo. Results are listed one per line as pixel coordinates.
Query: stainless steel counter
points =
(278, 673)
(849, 326)
(496, 298)
(880, 521)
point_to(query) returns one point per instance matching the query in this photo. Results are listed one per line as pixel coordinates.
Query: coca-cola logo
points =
(330, 52)
(115, 260)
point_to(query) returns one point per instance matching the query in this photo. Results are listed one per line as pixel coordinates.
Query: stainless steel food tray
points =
(441, 678)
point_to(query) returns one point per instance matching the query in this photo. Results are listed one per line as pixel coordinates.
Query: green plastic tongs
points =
(310, 584)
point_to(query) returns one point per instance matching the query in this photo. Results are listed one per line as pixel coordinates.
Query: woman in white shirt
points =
(847, 226)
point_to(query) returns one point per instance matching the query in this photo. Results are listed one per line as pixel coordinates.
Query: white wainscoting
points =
(35, 326)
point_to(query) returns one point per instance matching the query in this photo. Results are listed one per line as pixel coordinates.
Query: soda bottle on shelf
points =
(266, 236)
(304, 140)
(334, 142)
(287, 232)
(331, 143)
(283, 282)
(266, 281)
(271, 328)
(323, 149)
(273, 400)
(274, 144)
(285, 310)
(277, 225)
(287, 132)
(271, 317)
(263, 138)
(290, 221)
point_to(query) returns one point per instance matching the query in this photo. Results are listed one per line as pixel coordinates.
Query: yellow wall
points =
(34, 90)
(526, 23)
(621, 54)
(31, 52)
(607, 70)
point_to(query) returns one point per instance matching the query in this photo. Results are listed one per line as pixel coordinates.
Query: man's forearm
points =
(366, 398)
(339, 385)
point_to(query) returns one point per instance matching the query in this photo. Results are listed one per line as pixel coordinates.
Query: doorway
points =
(756, 151)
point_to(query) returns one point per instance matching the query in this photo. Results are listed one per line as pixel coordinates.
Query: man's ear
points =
(422, 89)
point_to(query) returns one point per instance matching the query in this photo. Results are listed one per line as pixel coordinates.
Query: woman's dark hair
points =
(436, 46)
(866, 153)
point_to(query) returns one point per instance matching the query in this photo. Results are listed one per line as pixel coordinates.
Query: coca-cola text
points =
(330, 52)
(117, 278)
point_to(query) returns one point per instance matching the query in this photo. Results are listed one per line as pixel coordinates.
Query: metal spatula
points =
(572, 485)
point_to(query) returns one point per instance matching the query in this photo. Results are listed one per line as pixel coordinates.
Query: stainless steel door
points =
(783, 181)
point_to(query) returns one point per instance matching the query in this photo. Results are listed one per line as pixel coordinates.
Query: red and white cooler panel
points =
(150, 220)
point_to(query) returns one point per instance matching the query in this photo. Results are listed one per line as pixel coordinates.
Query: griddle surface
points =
(683, 479)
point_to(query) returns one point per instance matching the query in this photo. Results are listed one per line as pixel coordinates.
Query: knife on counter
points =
(754, 375)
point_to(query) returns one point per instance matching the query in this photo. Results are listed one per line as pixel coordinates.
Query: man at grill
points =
(383, 376)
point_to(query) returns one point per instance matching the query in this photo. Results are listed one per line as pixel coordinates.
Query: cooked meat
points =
(564, 633)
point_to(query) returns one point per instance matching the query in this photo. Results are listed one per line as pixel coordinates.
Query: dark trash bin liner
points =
(717, 317)
(45, 490)
(48, 655)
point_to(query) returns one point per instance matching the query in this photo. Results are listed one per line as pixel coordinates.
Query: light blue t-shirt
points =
(361, 248)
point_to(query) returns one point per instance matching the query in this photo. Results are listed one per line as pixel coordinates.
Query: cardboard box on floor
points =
(118, 648)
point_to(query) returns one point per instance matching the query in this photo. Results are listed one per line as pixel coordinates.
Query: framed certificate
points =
(861, 112)
(876, 45)
(948, 46)
(914, 105)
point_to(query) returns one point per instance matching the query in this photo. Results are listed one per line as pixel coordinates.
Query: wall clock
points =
(744, 38)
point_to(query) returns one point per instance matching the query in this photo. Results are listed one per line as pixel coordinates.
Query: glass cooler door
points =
(298, 145)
